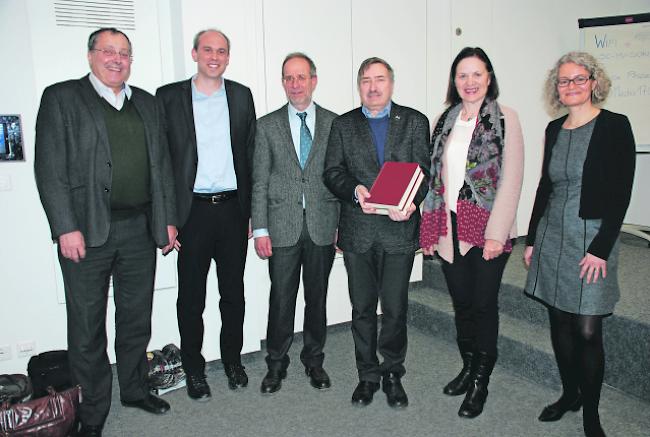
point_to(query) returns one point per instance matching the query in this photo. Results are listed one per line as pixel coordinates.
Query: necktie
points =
(305, 139)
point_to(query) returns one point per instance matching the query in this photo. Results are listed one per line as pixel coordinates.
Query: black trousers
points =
(284, 271)
(474, 288)
(129, 255)
(378, 276)
(212, 232)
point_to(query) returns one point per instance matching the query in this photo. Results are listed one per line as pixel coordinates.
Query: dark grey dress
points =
(563, 237)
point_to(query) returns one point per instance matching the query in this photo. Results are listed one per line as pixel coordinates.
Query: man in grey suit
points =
(104, 180)
(294, 218)
(378, 250)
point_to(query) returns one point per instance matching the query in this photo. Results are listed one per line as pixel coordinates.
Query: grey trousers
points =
(129, 256)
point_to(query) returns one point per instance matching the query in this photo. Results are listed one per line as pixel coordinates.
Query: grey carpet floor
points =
(299, 410)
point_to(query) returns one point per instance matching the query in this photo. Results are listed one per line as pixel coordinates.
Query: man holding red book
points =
(378, 250)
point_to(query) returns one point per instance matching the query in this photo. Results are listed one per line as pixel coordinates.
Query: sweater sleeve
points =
(504, 209)
(620, 175)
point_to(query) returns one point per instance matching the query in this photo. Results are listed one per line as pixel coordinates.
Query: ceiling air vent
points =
(98, 13)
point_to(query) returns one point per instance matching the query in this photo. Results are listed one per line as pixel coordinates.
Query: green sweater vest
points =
(129, 158)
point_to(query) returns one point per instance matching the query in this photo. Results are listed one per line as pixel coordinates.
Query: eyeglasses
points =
(578, 80)
(301, 78)
(110, 53)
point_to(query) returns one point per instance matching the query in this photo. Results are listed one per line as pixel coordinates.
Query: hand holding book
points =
(393, 191)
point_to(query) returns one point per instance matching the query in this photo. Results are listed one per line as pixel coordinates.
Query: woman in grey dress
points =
(572, 248)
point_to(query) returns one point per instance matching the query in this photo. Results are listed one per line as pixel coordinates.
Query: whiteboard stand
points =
(639, 231)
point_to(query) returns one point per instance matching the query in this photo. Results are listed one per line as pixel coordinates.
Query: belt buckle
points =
(214, 199)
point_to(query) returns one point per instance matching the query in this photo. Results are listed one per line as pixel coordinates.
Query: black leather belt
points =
(216, 197)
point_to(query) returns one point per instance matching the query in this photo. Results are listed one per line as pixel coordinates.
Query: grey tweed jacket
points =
(352, 160)
(279, 183)
(73, 162)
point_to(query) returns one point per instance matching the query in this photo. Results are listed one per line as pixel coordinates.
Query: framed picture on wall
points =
(11, 138)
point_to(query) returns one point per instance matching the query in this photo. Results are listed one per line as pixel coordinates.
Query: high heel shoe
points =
(554, 412)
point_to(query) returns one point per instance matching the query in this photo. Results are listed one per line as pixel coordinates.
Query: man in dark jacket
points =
(104, 180)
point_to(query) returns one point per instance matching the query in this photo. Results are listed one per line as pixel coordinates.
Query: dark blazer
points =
(73, 162)
(351, 160)
(279, 182)
(175, 105)
(607, 177)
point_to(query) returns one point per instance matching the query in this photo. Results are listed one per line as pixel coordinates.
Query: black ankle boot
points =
(459, 384)
(482, 365)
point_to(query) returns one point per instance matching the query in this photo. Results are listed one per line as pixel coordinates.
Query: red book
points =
(395, 186)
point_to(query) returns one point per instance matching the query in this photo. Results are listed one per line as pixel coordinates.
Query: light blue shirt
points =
(294, 125)
(215, 171)
(383, 113)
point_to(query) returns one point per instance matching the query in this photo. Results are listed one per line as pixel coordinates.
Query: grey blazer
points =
(72, 162)
(279, 182)
(351, 160)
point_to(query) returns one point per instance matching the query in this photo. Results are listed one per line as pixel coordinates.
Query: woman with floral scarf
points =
(469, 213)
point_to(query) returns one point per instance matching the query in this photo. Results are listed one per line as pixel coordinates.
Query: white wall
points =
(523, 39)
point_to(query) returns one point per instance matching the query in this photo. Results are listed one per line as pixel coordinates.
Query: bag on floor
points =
(49, 369)
(165, 369)
(53, 415)
(15, 388)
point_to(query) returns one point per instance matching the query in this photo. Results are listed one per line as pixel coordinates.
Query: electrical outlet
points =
(26, 349)
(5, 352)
(5, 183)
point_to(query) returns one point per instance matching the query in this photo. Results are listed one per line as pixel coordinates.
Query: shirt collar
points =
(103, 90)
(381, 114)
(310, 110)
(198, 94)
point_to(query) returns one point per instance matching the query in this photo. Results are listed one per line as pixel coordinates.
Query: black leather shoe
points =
(236, 376)
(395, 394)
(318, 377)
(272, 382)
(198, 388)
(151, 404)
(89, 431)
(554, 412)
(364, 392)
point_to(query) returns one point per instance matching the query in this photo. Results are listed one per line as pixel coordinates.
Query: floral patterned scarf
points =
(482, 174)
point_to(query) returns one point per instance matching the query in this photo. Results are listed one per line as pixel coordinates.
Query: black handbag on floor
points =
(15, 388)
(49, 369)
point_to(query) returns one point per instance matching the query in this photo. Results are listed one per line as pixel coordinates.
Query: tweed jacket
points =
(73, 167)
(607, 177)
(175, 105)
(351, 160)
(279, 182)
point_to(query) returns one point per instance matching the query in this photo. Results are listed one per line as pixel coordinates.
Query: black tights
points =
(578, 345)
